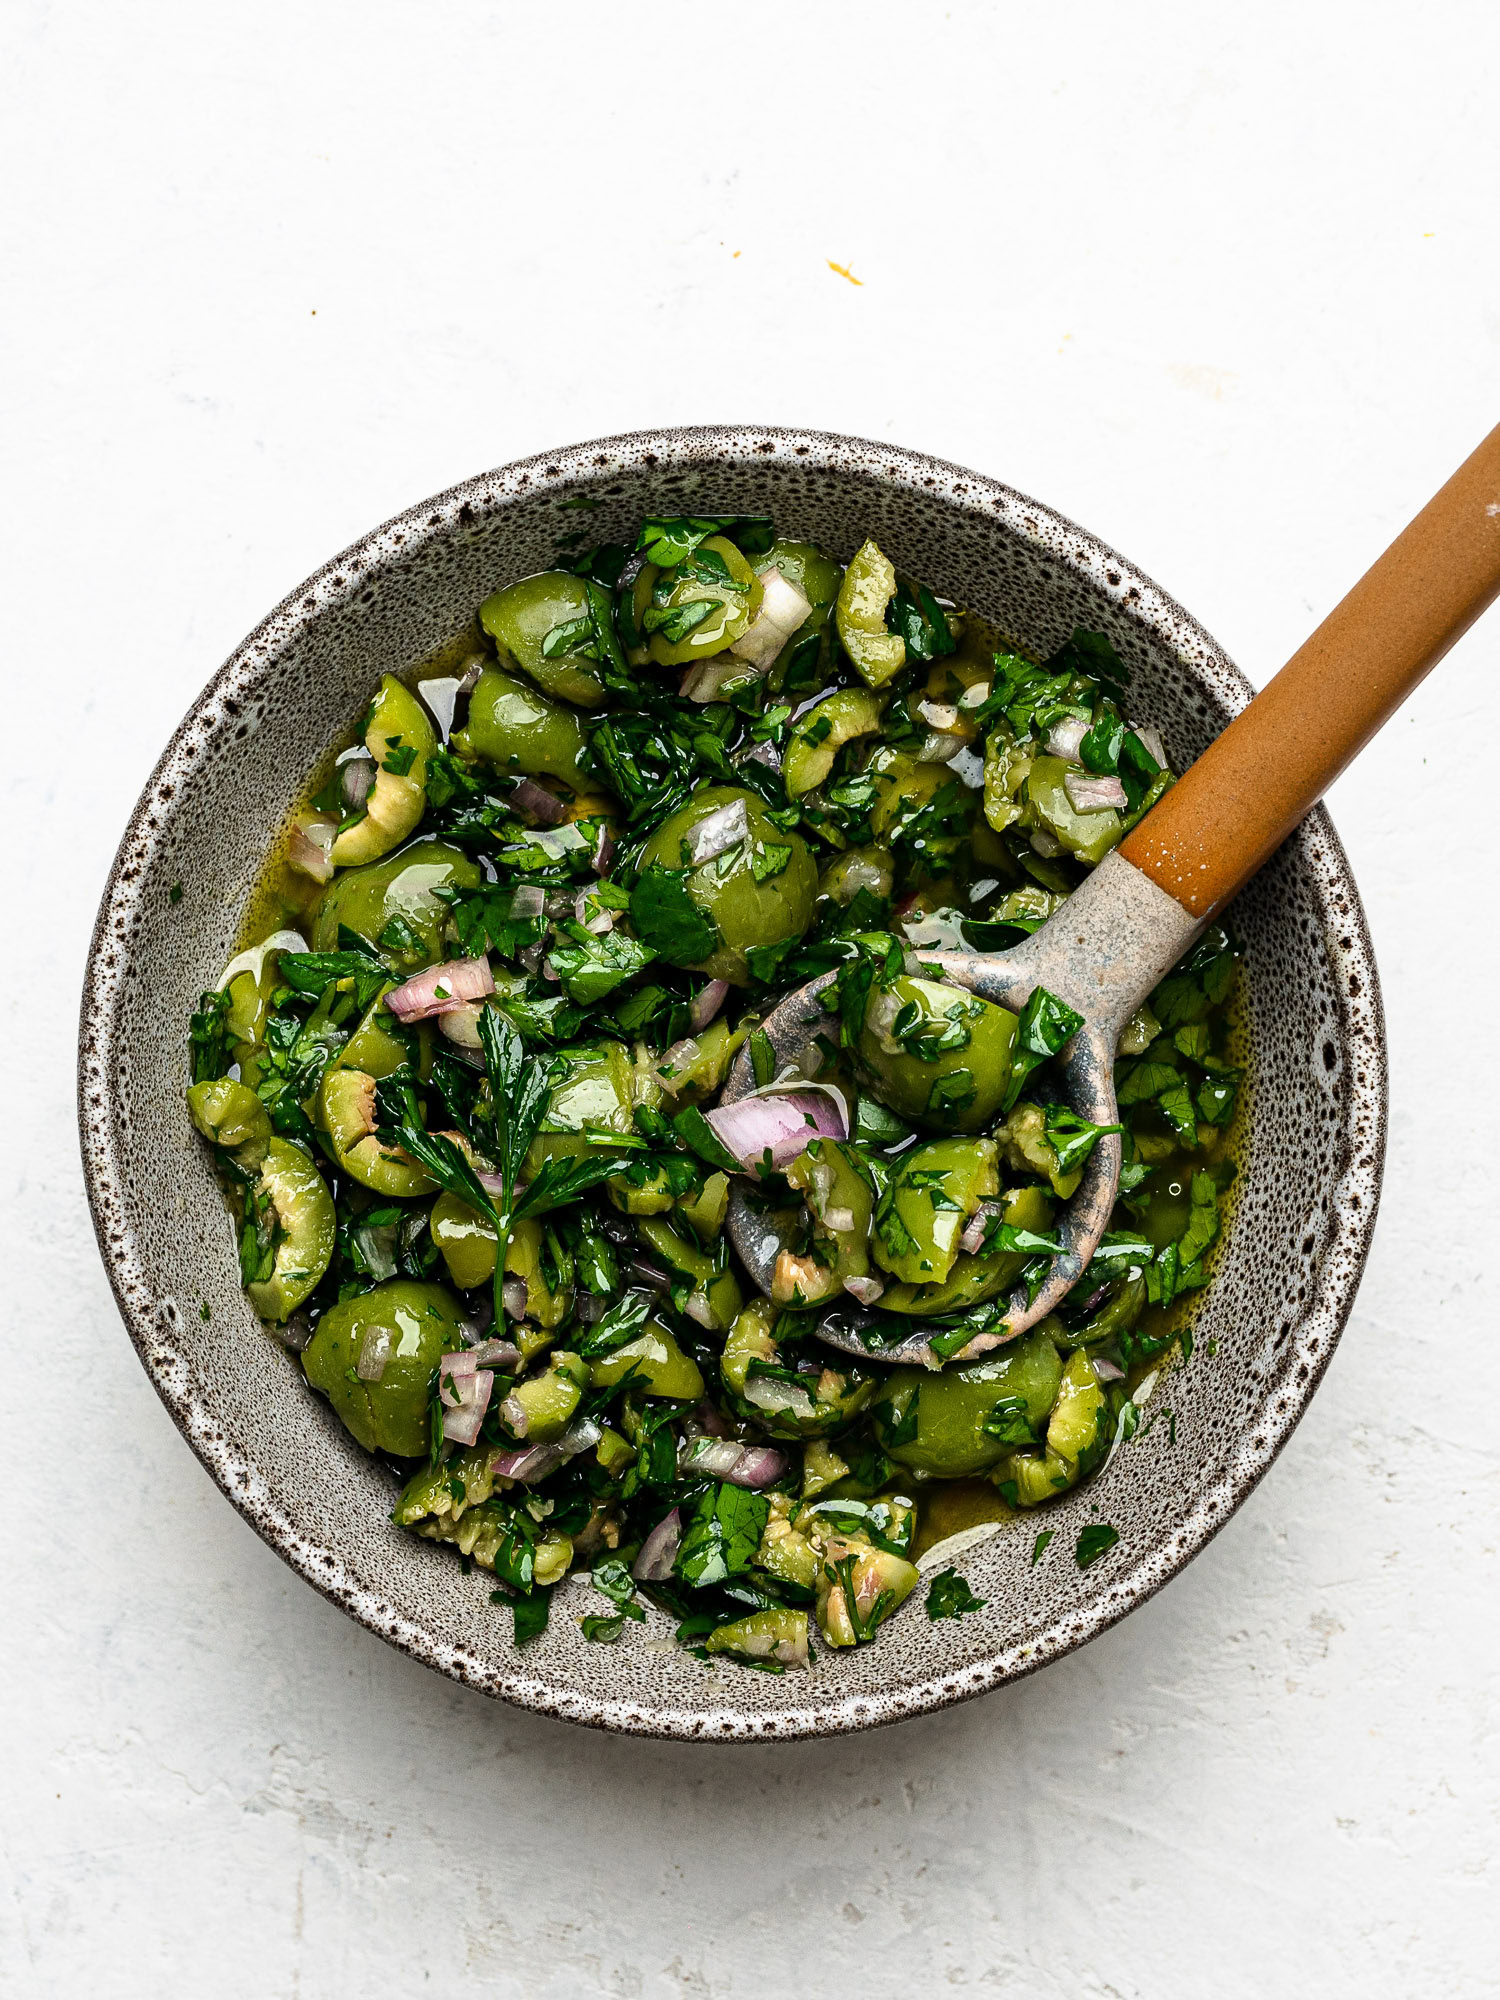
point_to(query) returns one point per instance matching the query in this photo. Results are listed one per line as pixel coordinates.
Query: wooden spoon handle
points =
(1253, 784)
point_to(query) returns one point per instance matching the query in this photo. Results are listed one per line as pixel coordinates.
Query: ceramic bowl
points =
(1310, 1157)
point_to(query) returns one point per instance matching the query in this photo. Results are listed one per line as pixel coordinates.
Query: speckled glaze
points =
(1310, 1163)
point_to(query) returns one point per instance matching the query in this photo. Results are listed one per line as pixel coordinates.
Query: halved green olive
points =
(823, 1399)
(400, 739)
(306, 1229)
(518, 730)
(346, 1112)
(702, 605)
(403, 885)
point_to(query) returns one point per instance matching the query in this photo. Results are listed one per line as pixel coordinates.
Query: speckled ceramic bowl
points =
(1311, 1160)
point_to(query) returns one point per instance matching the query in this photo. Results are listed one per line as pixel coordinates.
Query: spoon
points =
(1137, 913)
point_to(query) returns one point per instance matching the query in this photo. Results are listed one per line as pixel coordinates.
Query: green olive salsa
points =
(463, 1089)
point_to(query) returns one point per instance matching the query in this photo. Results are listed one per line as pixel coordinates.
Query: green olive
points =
(948, 1439)
(973, 1280)
(868, 587)
(858, 868)
(763, 1635)
(817, 576)
(1089, 835)
(346, 1112)
(400, 738)
(822, 732)
(938, 1054)
(520, 618)
(824, 1400)
(747, 913)
(716, 1296)
(467, 1242)
(517, 729)
(935, 1188)
(655, 1364)
(230, 1114)
(376, 1047)
(306, 1229)
(367, 899)
(414, 1325)
(596, 1090)
(679, 632)
(541, 1408)
(839, 1195)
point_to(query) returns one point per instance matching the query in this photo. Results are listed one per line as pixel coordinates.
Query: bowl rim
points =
(1354, 1197)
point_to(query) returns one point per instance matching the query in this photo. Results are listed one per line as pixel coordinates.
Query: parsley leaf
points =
(666, 918)
(208, 1038)
(1096, 1540)
(723, 1535)
(1045, 1025)
(590, 966)
(949, 1596)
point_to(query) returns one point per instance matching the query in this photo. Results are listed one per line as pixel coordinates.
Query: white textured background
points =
(1221, 283)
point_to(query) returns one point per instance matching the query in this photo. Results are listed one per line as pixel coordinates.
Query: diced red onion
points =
(699, 1309)
(1065, 736)
(706, 680)
(972, 1239)
(356, 781)
(543, 806)
(460, 1025)
(537, 1460)
(310, 849)
(590, 1308)
(708, 1420)
(939, 747)
(939, 715)
(495, 1354)
(1091, 794)
(669, 1067)
(1106, 1370)
(253, 961)
(866, 1290)
(718, 831)
(296, 1335)
(461, 1420)
(783, 609)
(1152, 740)
(783, 1122)
(462, 1361)
(441, 989)
(375, 1350)
(649, 1274)
(659, 1550)
(760, 1465)
(513, 1297)
(604, 849)
(976, 696)
(707, 1004)
(1046, 844)
(527, 899)
(530, 958)
(735, 1464)
(764, 753)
